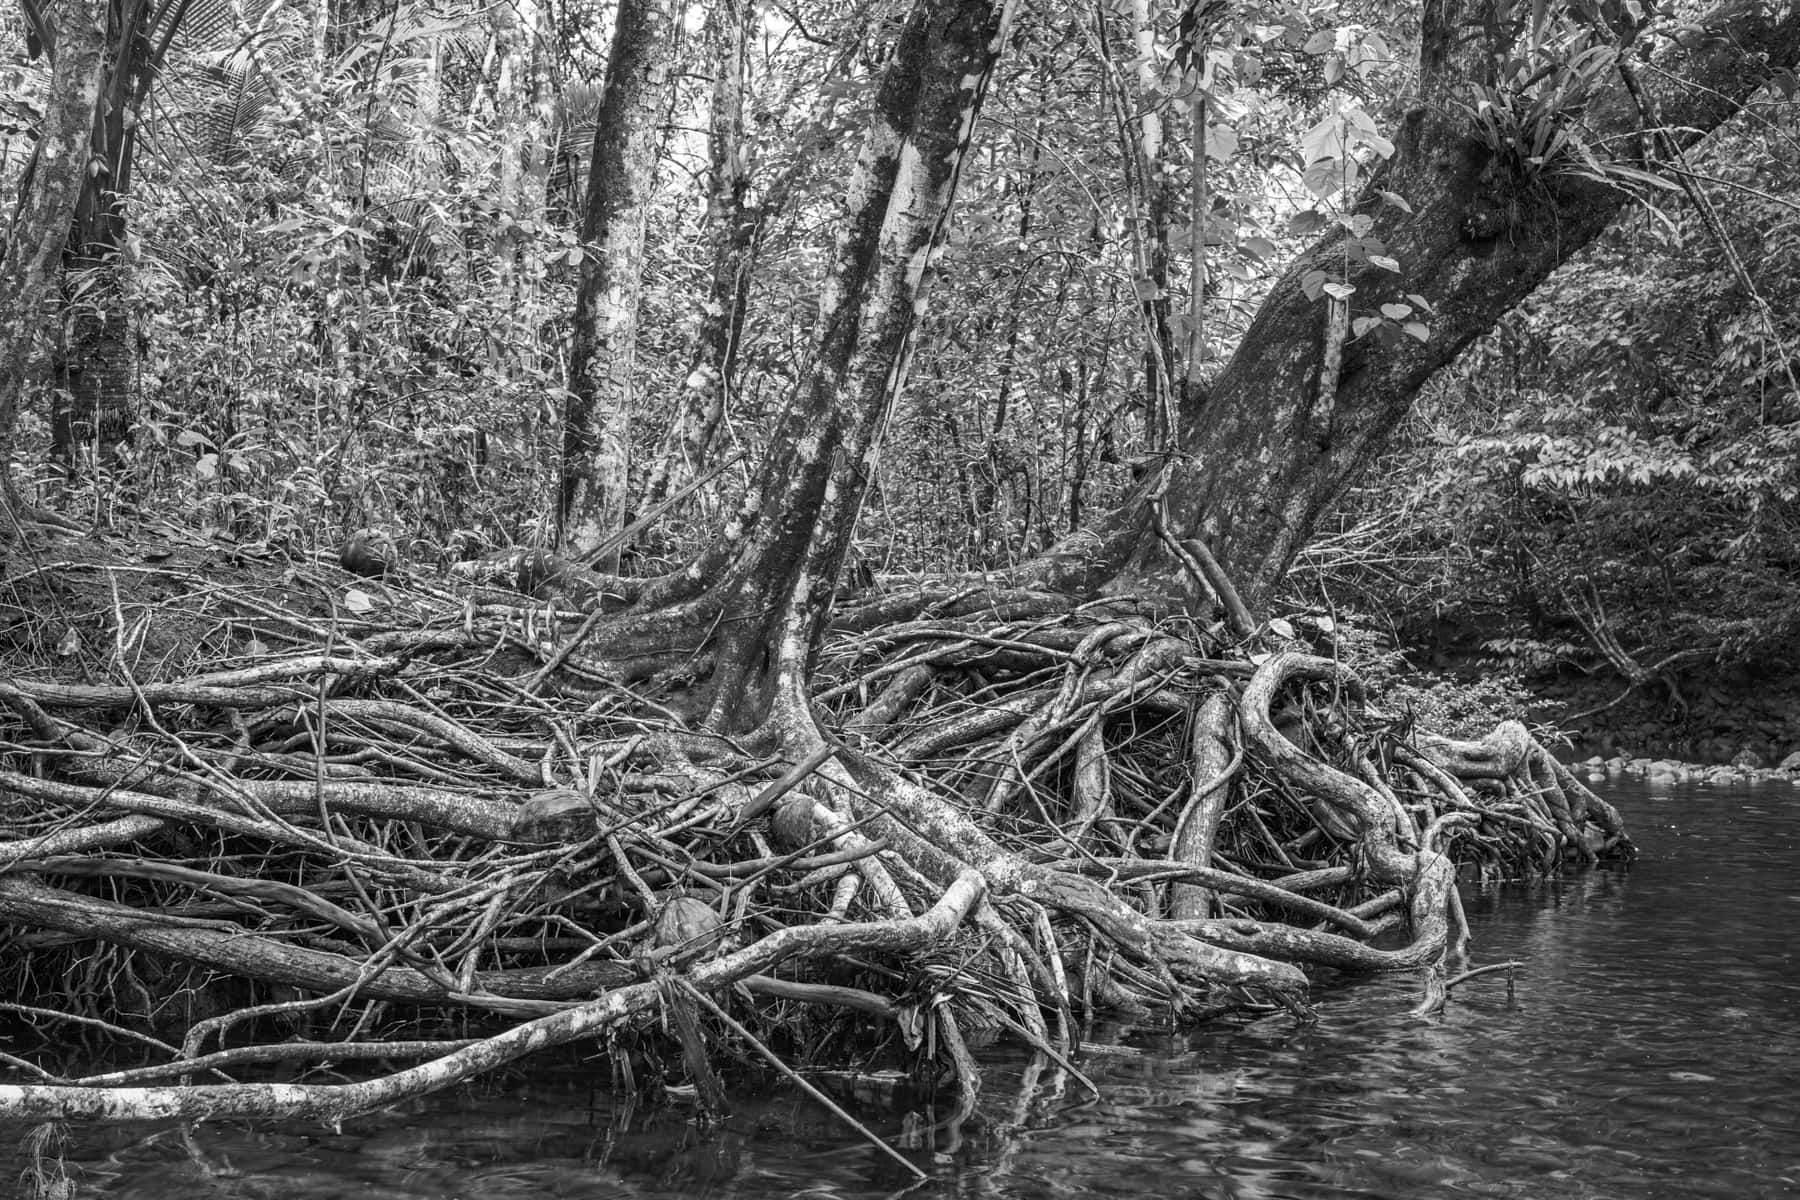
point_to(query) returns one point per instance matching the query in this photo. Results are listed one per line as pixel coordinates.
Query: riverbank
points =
(1677, 771)
(1727, 716)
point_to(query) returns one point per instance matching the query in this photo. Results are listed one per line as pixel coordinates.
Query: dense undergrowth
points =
(1605, 487)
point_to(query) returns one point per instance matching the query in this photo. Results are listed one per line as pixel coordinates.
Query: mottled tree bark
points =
(597, 411)
(788, 544)
(76, 45)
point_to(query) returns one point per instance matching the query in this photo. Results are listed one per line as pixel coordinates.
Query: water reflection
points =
(1650, 1049)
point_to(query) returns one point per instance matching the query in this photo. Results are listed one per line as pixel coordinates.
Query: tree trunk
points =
(1270, 456)
(797, 526)
(733, 230)
(1193, 381)
(92, 409)
(1160, 364)
(988, 536)
(1138, 111)
(41, 230)
(597, 410)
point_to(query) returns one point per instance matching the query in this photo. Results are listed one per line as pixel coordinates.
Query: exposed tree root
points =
(1035, 811)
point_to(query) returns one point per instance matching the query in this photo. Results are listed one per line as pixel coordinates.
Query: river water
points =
(1650, 1048)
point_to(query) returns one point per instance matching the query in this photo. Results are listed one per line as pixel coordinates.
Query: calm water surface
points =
(1650, 1049)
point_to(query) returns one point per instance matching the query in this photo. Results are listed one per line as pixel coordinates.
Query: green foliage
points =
(1431, 701)
(1531, 119)
(1618, 462)
(337, 325)
(352, 258)
(1030, 404)
(352, 252)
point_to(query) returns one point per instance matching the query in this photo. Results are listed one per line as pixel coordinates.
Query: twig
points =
(624, 536)
(775, 1061)
(1487, 970)
(765, 800)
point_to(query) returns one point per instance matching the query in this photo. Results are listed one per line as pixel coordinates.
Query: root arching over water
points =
(997, 812)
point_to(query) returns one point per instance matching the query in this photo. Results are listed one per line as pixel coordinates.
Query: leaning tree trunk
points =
(597, 413)
(92, 409)
(736, 229)
(1273, 451)
(76, 46)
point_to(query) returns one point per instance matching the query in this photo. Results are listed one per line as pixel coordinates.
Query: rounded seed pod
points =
(686, 923)
(793, 825)
(369, 553)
